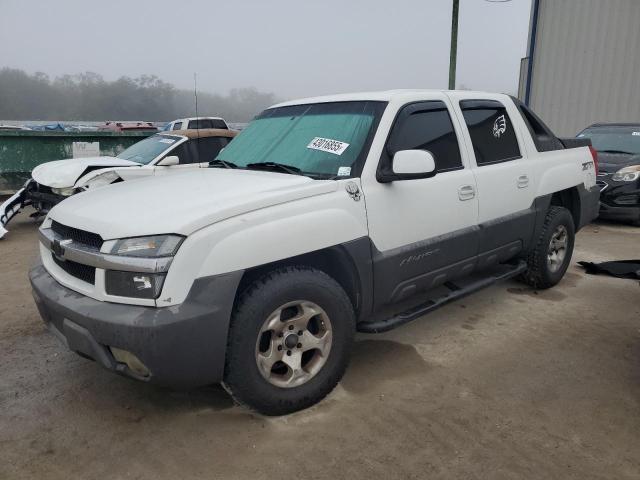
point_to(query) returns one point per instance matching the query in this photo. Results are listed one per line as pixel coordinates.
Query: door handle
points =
(466, 192)
(523, 181)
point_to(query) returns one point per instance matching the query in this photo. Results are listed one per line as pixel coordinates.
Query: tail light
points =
(594, 154)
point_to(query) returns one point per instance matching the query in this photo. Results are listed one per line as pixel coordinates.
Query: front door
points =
(423, 231)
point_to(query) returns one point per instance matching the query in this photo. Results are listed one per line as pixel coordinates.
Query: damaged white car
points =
(163, 153)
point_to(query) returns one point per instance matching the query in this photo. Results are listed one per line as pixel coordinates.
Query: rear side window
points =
(427, 126)
(207, 123)
(492, 134)
(177, 125)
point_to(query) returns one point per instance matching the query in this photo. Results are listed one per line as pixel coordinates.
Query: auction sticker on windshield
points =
(328, 145)
(167, 140)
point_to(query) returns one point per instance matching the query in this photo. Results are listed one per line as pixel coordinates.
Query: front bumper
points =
(38, 196)
(619, 200)
(182, 346)
(10, 208)
(625, 214)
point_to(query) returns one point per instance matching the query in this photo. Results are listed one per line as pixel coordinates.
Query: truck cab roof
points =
(380, 96)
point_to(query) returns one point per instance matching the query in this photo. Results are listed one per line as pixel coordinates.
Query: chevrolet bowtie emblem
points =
(57, 247)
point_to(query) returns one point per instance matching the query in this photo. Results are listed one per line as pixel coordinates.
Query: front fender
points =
(264, 236)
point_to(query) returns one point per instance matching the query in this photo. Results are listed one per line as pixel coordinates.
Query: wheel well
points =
(333, 261)
(569, 199)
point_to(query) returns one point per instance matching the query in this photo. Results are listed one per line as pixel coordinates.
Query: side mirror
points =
(410, 165)
(169, 161)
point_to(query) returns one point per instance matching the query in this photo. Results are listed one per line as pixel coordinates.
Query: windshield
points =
(614, 139)
(323, 140)
(149, 148)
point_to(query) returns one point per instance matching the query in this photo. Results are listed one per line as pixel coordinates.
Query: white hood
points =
(181, 203)
(65, 173)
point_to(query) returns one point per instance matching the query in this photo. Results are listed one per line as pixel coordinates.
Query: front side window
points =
(492, 133)
(321, 139)
(177, 125)
(427, 126)
(146, 150)
(209, 147)
(187, 152)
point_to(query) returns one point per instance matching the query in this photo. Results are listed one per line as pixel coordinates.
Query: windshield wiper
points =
(616, 151)
(222, 163)
(275, 166)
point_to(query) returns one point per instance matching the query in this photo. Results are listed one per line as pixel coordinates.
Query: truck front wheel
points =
(289, 340)
(550, 258)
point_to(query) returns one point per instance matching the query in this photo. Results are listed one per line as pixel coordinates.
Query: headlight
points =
(106, 178)
(137, 284)
(154, 246)
(65, 192)
(627, 174)
(132, 284)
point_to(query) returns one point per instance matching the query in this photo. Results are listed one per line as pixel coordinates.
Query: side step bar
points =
(455, 292)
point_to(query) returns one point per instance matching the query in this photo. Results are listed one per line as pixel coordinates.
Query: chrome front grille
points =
(64, 236)
(77, 270)
(90, 239)
(602, 185)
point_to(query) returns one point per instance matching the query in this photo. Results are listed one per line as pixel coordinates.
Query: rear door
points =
(504, 176)
(423, 230)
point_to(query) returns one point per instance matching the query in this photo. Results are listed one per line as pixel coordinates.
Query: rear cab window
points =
(492, 133)
(203, 123)
(425, 126)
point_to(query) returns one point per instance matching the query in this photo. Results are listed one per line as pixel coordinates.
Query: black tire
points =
(243, 379)
(539, 274)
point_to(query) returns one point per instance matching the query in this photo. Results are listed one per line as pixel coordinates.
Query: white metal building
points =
(583, 63)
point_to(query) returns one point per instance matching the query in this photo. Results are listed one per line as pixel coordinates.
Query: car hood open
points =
(65, 173)
(182, 203)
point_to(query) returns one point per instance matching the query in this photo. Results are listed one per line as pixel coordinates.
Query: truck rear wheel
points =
(550, 258)
(289, 341)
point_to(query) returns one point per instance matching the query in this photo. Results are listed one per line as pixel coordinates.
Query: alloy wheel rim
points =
(293, 344)
(557, 250)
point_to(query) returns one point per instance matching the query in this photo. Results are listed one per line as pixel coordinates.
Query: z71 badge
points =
(587, 166)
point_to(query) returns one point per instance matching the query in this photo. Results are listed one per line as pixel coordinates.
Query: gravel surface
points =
(508, 383)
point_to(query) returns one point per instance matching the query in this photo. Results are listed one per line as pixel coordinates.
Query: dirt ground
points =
(509, 383)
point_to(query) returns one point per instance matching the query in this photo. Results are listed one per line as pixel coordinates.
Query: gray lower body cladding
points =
(182, 346)
(589, 205)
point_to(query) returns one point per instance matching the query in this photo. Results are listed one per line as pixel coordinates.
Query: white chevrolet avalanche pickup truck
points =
(324, 217)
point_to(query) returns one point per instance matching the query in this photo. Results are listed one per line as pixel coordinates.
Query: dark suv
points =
(618, 146)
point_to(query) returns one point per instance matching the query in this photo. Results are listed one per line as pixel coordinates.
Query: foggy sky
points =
(293, 48)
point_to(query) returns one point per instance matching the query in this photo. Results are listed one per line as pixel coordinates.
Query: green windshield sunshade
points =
(286, 139)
